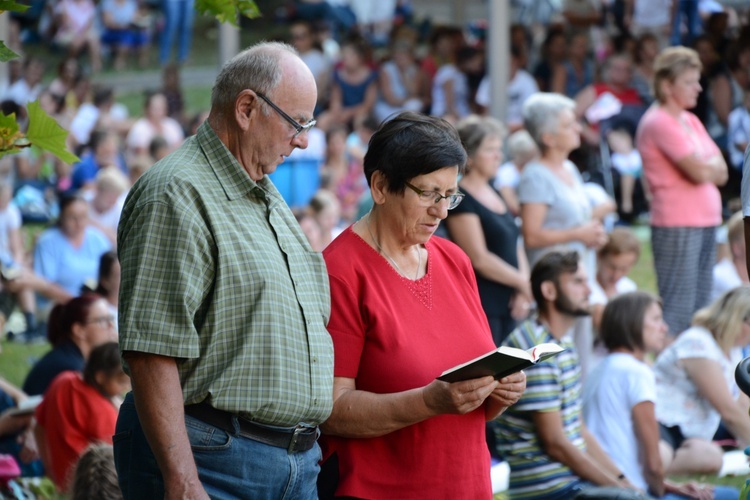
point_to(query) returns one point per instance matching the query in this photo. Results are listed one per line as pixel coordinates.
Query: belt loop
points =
(293, 441)
(235, 421)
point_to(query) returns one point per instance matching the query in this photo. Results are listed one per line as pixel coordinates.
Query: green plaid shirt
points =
(217, 273)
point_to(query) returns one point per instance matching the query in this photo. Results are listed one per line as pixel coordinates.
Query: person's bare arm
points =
(549, 427)
(389, 97)
(28, 279)
(535, 235)
(371, 95)
(713, 169)
(511, 199)
(707, 376)
(559, 77)
(40, 438)
(15, 243)
(466, 232)
(647, 432)
(158, 399)
(11, 390)
(721, 98)
(582, 20)
(584, 100)
(450, 99)
(363, 414)
(599, 456)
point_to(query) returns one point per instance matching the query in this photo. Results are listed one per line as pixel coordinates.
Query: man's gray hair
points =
(256, 68)
(541, 114)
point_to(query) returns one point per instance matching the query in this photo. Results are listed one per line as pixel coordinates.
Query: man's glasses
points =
(298, 127)
(428, 198)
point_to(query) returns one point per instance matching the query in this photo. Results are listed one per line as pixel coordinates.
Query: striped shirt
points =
(217, 273)
(552, 385)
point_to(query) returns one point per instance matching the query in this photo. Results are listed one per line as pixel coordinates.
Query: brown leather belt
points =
(293, 439)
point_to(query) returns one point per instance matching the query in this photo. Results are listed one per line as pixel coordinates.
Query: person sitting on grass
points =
(78, 410)
(551, 453)
(74, 330)
(620, 396)
(695, 387)
(731, 271)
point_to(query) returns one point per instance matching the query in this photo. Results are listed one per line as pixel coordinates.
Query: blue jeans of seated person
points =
(229, 465)
(720, 493)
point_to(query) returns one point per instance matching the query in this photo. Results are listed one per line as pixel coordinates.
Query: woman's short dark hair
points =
(549, 268)
(103, 358)
(68, 199)
(412, 144)
(622, 320)
(64, 316)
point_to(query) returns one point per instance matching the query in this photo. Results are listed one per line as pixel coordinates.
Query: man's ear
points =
(245, 108)
(549, 291)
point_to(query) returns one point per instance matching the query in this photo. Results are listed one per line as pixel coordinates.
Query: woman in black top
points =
(486, 230)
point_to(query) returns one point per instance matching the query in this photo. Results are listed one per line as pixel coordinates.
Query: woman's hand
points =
(592, 234)
(693, 490)
(29, 450)
(520, 305)
(510, 389)
(459, 397)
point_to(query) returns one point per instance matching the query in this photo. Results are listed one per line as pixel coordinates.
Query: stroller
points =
(742, 376)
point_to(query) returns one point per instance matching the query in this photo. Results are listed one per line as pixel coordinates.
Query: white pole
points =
(229, 42)
(498, 57)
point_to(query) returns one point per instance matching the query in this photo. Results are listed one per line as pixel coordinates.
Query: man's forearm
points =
(158, 400)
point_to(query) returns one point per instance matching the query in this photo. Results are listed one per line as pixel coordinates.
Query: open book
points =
(501, 362)
(25, 407)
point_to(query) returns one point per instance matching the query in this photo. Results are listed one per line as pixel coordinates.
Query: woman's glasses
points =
(429, 198)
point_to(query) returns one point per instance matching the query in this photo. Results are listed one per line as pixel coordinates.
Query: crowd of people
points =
(307, 256)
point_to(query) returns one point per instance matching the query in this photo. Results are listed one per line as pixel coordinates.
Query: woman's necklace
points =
(380, 249)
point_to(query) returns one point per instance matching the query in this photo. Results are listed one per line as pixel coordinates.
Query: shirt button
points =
(315, 359)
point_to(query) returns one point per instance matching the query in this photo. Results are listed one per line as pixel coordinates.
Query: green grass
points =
(16, 360)
(643, 272)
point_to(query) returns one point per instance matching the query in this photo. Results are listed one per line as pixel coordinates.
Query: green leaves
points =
(226, 11)
(12, 6)
(6, 54)
(46, 133)
(9, 134)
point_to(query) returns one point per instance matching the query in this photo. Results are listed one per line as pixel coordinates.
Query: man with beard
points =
(543, 437)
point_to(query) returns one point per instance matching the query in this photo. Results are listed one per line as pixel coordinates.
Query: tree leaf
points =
(6, 54)
(47, 134)
(9, 134)
(226, 11)
(12, 6)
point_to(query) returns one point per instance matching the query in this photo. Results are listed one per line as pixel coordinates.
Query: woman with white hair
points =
(521, 149)
(110, 188)
(554, 208)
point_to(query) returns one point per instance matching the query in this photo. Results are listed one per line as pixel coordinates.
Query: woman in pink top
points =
(683, 166)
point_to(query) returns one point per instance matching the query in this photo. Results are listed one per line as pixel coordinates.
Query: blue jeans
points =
(720, 493)
(229, 465)
(178, 18)
(690, 9)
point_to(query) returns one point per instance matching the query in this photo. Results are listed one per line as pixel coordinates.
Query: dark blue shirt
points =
(66, 356)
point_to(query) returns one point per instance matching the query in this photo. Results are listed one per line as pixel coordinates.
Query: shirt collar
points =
(233, 178)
